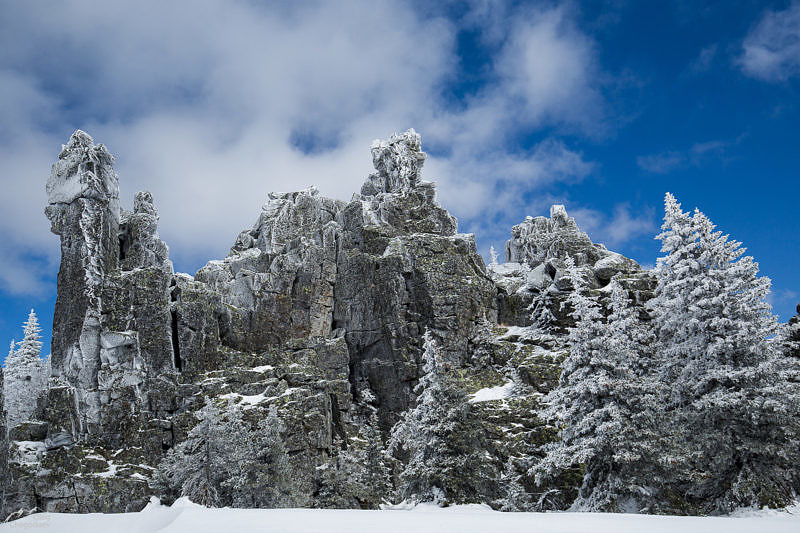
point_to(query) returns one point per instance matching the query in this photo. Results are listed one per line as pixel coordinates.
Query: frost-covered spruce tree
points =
(515, 498)
(263, 477)
(542, 316)
(24, 380)
(599, 404)
(223, 462)
(197, 467)
(492, 256)
(730, 384)
(358, 476)
(446, 449)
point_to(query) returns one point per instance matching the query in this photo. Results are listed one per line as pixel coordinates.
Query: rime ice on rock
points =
(534, 276)
(395, 196)
(398, 162)
(318, 309)
(139, 242)
(537, 239)
(83, 170)
(83, 197)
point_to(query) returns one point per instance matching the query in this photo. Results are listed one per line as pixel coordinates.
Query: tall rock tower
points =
(83, 208)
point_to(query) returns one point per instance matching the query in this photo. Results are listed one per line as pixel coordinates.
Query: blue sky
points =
(602, 106)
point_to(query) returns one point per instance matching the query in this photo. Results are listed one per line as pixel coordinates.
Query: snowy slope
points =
(186, 517)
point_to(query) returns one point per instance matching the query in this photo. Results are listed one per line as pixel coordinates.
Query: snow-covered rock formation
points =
(533, 277)
(319, 309)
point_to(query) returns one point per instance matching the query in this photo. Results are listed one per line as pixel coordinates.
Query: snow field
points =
(187, 517)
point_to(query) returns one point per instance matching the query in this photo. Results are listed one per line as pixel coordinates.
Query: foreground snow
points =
(186, 517)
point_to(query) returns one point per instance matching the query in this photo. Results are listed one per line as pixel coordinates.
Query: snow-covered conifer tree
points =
(541, 306)
(446, 448)
(264, 477)
(24, 380)
(598, 403)
(356, 477)
(197, 466)
(492, 256)
(515, 498)
(729, 382)
(3, 445)
(223, 462)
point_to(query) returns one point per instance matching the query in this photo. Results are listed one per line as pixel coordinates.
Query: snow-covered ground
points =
(186, 517)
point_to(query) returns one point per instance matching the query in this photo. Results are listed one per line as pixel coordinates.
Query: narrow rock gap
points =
(336, 419)
(176, 345)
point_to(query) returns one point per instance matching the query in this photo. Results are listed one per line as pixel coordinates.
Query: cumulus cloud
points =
(771, 50)
(212, 107)
(620, 227)
(783, 297)
(549, 66)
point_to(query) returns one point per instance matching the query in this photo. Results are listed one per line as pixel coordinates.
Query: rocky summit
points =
(319, 310)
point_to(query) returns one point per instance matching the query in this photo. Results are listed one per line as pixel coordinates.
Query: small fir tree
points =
(357, 477)
(492, 256)
(24, 374)
(541, 309)
(515, 497)
(4, 477)
(448, 460)
(264, 476)
(223, 462)
(596, 403)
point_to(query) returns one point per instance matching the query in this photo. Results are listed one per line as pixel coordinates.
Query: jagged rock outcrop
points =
(319, 309)
(533, 275)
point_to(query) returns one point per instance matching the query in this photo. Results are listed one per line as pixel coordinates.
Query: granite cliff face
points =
(318, 309)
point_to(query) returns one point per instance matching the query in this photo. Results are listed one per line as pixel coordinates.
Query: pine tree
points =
(448, 460)
(24, 374)
(31, 344)
(358, 476)
(223, 462)
(264, 477)
(541, 309)
(599, 404)
(515, 497)
(196, 467)
(4, 477)
(730, 384)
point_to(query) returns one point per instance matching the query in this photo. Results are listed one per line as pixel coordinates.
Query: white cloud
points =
(780, 297)
(213, 104)
(550, 66)
(771, 50)
(622, 226)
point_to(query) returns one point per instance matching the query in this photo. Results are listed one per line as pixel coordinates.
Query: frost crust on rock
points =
(398, 162)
